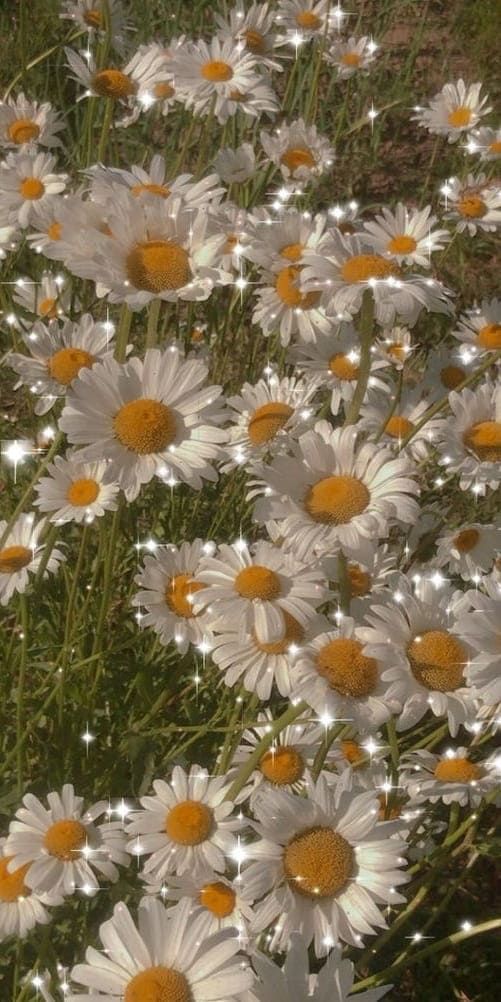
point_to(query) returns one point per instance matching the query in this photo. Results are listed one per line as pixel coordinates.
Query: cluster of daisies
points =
(354, 612)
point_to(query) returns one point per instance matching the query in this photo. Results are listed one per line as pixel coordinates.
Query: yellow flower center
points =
(14, 558)
(460, 117)
(12, 885)
(216, 71)
(258, 582)
(296, 157)
(47, 308)
(457, 770)
(158, 265)
(254, 41)
(352, 752)
(398, 427)
(451, 376)
(362, 267)
(164, 90)
(267, 421)
(54, 231)
(307, 19)
(178, 595)
(437, 660)
(466, 540)
(282, 766)
(23, 130)
(218, 898)
(318, 863)
(145, 426)
(93, 18)
(189, 822)
(351, 59)
(341, 366)
(346, 669)
(336, 500)
(495, 147)
(31, 188)
(472, 206)
(402, 244)
(484, 439)
(360, 580)
(294, 634)
(288, 292)
(490, 336)
(153, 189)
(158, 984)
(387, 813)
(397, 351)
(82, 492)
(65, 364)
(64, 839)
(114, 84)
(292, 252)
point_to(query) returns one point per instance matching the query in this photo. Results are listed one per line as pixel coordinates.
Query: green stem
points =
(247, 767)
(105, 129)
(153, 317)
(69, 624)
(344, 587)
(122, 338)
(366, 329)
(20, 690)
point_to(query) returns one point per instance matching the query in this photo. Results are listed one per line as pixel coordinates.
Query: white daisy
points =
(235, 166)
(153, 183)
(287, 762)
(27, 182)
(269, 414)
(9, 239)
(223, 903)
(151, 417)
(299, 150)
(23, 122)
(471, 439)
(451, 777)
(64, 845)
(456, 109)
(21, 554)
(215, 74)
(445, 369)
(407, 235)
(391, 423)
(304, 19)
(394, 346)
(474, 204)
(481, 628)
(279, 243)
(185, 824)
(20, 909)
(282, 306)
(469, 550)
(165, 957)
(332, 493)
(479, 329)
(486, 141)
(351, 55)
(231, 220)
(48, 299)
(57, 356)
(371, 574)
(254, 28)
(90, 15)
(132, 85)
(426, 662)
(333, 359)
(168, 583)
(322, 863)
(76, 492)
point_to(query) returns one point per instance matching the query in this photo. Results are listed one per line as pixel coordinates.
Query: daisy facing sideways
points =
(473, 204)
(220, 901)
(469, 550)
(470, 440)
(127, 85)
(21, 554)
(479, 329)
(451, 777)
(482, 629)
(146, 417)
(334, 360)
(76, 492)
(46, 300)
(23, 122)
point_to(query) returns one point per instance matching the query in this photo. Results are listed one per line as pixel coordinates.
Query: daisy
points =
(343, 267)
(235, 166)
(27, 182)
(481, 628)
(333, 359)
(146, 417)
(169, 582)
(471, 439)
(394, 346)
(132, 85)
(23, 122)
(9, 238)
(356, 753)
(470, 550)
(450, 777)
(479, 329)
(269, 413)
(21, 554)
(298, 149)
(322, 863)
(286, 764)
(279, 243)
(415, 638)
(186, 824)
(371, 574)
(303, 19)
(254, 29)
(90, 15)
(76, 492)
(293, 981)
(166, 956)
(20, 909)
(475, 204)
(350, 56)
(58, 355)
(231, 220)
(47, 299)
(282, 306)
(332, 494)
(456, 109)
(64, 845)
(391, 423)
(406, 235)
(334, 675)
(223, 903)
(214, 74)
(153, 184)
(487, 141)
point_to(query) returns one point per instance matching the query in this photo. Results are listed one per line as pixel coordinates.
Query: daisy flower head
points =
(334, 360)
(334, 675)
(91, 16)
(479, 329)
(150, 417)
(415, 637)
(76, 492)
(392, 424)
(334, 494)
(470, 440)
(474, 204)
(235, 166)
(153, 184)
(394, 346)
(351, 55)
(481, 628)
(454, 111)
(469, 550)
(218, 74)
(298, 150)
(446, 367)
(268, 415)
(231, 220)
(132, 85)
(451, 777)
(222, 902)
(281, 243)
(406, 235)
(322, 863)
(64, 846)
(48, 299)
(486, 142)
(303, 20)
(342, 268)
(169, 581)
(20, 909)
(24, 123)
(254, 29)
(27, 183)
(373, 573)
(9, 238)
(185, 825)
(21, 553)
(58, 355)
(165, 957)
